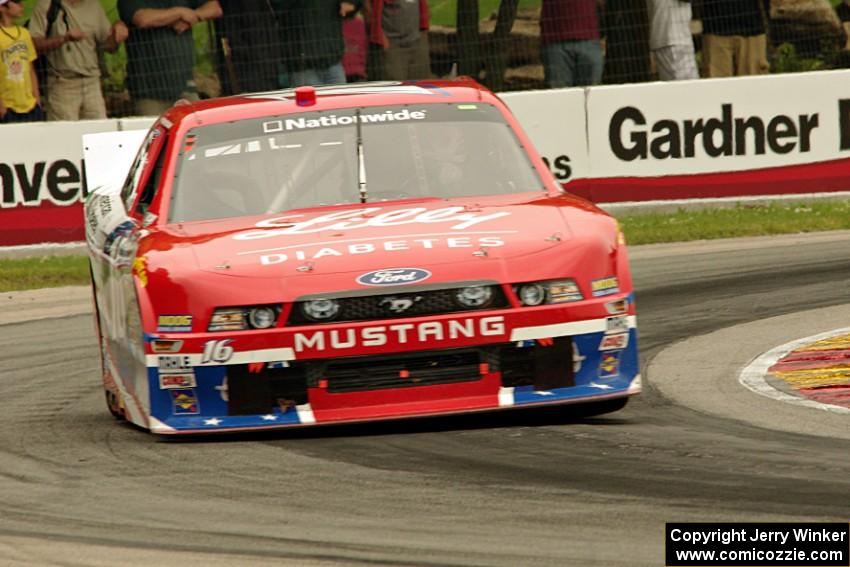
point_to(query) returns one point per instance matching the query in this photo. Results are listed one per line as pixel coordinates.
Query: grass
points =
(741, 220)
(681, 226)
(48, 271)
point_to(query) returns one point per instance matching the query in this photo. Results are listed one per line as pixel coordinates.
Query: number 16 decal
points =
(218, 352)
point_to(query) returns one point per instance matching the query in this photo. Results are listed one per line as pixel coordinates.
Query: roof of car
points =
(252, 105)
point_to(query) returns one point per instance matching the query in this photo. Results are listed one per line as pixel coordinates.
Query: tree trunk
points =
(468, 41)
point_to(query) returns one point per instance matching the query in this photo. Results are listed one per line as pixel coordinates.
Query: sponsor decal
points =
(402, 333)
(604, 286)
(618, 324)
(631, 138)
(175, 371)
(394, 276)
(614, 342)
(174, 363)
(330, 120)
(174, 324)
(184, 402)
(217, 352)
(120, 242)
(172, 381)
(609, 365)
(141, 271)
(618, 306)
(364, 247)
(161, 345)
(369, 217)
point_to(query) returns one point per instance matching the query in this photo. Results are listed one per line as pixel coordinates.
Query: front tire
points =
(113, 403)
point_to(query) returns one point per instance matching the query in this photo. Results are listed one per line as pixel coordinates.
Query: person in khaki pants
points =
(735, 37)
(71, 45)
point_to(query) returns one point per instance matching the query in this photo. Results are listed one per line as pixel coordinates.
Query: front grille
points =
(401, 371)
(372, 307)
(543, 366)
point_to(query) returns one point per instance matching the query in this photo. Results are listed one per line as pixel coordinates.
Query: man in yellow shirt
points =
(19, 97)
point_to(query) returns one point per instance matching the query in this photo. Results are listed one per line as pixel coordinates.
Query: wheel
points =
(113, 403)
(113, 400)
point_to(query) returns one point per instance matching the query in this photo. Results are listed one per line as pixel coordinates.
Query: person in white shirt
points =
(670, 39)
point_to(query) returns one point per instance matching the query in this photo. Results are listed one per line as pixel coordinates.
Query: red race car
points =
(352, 253)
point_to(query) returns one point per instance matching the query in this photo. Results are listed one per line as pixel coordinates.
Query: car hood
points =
(358, 238)
(338, 250)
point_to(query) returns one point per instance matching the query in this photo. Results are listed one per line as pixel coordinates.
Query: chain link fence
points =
(499, 41)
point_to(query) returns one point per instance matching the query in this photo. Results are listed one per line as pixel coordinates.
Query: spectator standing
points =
(734, 40)
(71, 47)
(19, 97)
(312, 40)
(356, 48)
(670, 39)
(400, 29)
(161, 50)
(248, 43)
(570, 45)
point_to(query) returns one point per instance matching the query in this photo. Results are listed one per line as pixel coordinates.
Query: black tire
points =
(114, 405)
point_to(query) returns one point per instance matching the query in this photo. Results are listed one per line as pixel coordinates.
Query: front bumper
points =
(323, 374)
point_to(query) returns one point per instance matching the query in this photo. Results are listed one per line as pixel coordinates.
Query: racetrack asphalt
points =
(702, 372)
(497, 490)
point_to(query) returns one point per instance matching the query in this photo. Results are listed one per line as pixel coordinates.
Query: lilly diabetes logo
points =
(394, 276)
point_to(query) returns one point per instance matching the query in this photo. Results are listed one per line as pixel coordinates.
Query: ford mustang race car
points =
(352, 253)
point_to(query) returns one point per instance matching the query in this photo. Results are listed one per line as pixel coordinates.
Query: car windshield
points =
(311, 159)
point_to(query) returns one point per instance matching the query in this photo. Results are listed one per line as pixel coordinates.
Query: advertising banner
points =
(557, 125)
(42, 175)
(717, 138)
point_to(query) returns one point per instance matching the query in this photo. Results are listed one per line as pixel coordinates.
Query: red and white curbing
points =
(754, 375)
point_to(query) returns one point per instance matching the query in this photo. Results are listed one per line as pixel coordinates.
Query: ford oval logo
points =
(394, 276)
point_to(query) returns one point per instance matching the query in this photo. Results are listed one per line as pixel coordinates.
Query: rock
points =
(812, 26)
